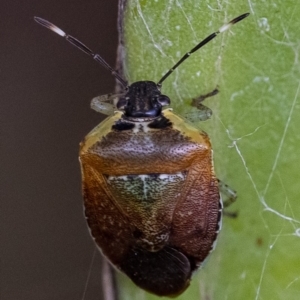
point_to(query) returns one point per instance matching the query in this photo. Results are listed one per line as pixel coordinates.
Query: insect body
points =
(150, 193)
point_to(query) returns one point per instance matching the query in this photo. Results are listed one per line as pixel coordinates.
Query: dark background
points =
(46, 88)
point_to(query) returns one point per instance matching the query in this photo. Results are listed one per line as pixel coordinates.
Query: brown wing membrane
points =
(164, 273)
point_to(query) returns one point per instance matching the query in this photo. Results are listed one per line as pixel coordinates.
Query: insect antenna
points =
(82, 47)
(201, 44)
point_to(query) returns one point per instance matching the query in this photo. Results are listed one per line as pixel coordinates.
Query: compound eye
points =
(164, 100)
(122, 102)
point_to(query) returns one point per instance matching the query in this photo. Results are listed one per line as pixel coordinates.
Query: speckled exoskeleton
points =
(151, 196)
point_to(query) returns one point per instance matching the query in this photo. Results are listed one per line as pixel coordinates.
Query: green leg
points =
(203, 112)
(229, 196)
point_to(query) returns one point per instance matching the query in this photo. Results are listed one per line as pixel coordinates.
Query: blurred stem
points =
(109, 285)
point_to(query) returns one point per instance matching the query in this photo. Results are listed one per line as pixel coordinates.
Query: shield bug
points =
(151, 196)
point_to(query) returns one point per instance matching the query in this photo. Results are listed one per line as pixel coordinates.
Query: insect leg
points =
(229, 194)
(203, 113)
(197, 101)
(105, 104)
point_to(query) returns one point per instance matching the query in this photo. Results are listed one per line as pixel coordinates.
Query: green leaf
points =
(254, 130)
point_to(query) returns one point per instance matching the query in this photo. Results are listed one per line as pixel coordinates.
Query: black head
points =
(143, 100)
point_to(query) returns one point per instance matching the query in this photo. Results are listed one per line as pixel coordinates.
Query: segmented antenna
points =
(82, 47)
(201, 44)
